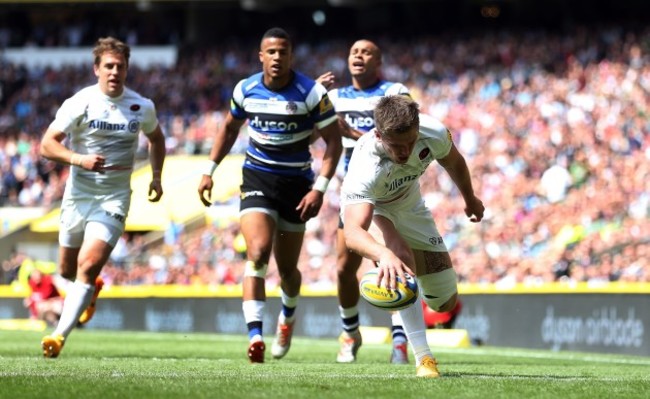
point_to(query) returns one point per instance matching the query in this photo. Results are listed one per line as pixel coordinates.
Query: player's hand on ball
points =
(403, 296)
(390, 267)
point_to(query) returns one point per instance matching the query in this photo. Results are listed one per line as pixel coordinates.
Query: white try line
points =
(605, 358)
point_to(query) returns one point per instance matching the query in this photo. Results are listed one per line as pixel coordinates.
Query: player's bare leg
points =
(347, 266)
(288, 245)
(258, 230)
(91, 257)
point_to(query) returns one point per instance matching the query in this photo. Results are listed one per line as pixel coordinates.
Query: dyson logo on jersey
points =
(357, 122)
(277, 126)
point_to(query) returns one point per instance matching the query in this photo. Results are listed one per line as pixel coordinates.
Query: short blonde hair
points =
(396, 114)
(110, 45)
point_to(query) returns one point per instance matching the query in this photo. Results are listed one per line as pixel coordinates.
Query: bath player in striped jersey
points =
(279, 193)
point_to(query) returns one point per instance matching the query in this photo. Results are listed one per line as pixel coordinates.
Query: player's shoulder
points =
(344, 90)
(86, 93)
(431, 127)
(436, 135)
(246, 85)
(130, 94)
(366, 160)
(305, 84)
(135, 100)
(301, 78)
(341, 92)
(392, 88)
(78, 102)
(367, 146)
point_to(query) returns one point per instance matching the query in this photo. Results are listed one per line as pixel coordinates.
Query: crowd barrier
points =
(609, 319)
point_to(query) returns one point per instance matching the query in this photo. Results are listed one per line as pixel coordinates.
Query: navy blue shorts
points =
(280, 193)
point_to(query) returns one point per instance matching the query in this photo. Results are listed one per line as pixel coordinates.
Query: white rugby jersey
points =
(374, 178)
(109, 126)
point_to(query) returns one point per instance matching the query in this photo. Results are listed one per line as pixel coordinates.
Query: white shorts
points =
(414, 222)
(99, 216)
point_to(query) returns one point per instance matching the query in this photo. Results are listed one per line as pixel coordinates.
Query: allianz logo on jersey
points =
(357, 122)
(95, 124)
(133, 126)
(271, 125)
(400, 181)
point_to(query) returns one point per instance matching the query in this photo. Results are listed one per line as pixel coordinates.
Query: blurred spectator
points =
(446, 320)
(522, 110)
(11, 267)
(44, 301)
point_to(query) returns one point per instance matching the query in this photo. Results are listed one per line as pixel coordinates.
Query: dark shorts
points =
(270, 191)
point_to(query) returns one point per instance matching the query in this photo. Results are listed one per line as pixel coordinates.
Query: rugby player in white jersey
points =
(385, 219)
(278, 193)
(102, 123)
(354, 104)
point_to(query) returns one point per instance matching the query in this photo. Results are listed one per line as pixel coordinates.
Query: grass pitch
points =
(102, 364)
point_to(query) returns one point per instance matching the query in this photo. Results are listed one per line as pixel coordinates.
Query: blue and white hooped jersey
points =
(357, 106)
(280, 123)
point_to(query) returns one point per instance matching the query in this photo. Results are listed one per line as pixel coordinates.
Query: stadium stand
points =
(554, 121)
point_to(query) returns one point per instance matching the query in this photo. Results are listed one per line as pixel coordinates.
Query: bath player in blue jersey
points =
(355, 104)
(279, 192)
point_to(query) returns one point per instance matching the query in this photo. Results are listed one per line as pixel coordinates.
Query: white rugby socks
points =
(77, 299)
(413, 322)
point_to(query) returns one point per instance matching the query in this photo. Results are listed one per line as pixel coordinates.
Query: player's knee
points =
(439, 290)
(289, 274)
(255, 269)
(258, 251)
(68, 273)
(449, 305)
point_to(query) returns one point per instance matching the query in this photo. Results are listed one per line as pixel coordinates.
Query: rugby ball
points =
(400, 298)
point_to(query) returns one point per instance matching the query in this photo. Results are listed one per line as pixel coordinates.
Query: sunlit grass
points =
(165, 365)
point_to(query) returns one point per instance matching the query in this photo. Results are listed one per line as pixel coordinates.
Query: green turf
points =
(106, 365)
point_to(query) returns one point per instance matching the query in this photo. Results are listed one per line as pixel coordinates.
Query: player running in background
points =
(278, 192)
(101, 123)
(385, 219)
(354, 104)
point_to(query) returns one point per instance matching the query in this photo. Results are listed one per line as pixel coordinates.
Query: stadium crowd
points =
(554, 126)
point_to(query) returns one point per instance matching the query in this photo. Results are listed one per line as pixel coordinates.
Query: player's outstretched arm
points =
(454, 163)
(224, 139)
(357, 219)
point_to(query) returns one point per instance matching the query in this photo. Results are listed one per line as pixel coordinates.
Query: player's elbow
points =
(44, 150)
(350, 234)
